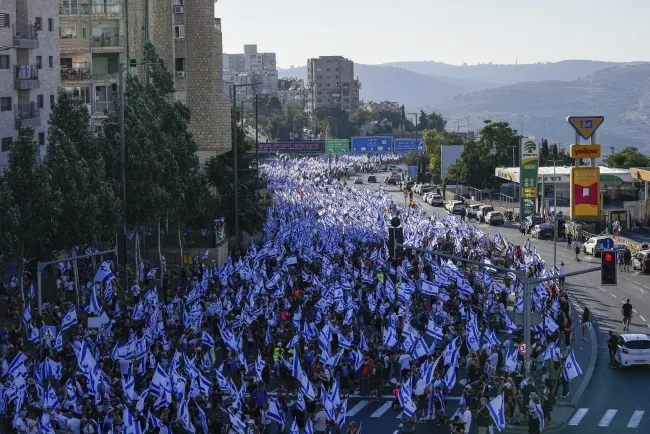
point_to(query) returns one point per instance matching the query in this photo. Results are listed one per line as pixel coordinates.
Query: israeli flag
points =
(300, 402)
(93, 307)
(104, 273)
(497, 411)
(294, 428)
(571, 367)
(259, 365)
(30, 292)
(236, 423)
(430, 372)
(46, 426)
(511, 360)
(405, 398)
(274, 413)
(540, 415)
(340, 418)
(450, 377)
(206, 339)
(51, 400)
(69, 319)
(131, 424)
(434, 330)
(429, 288)
(309, 427)
(27, 315)
(58, 342)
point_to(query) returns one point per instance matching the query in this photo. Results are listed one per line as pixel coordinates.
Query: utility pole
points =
(257, 147)
(554, 215)
(611, 148)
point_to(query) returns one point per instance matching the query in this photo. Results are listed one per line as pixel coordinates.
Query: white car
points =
(593, 246)
(457, 207)
(435, 199)
(633, 349)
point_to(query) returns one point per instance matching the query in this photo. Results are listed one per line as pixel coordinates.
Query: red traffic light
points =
(608, 257)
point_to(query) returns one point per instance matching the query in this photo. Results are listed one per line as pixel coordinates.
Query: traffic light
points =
(608, 268)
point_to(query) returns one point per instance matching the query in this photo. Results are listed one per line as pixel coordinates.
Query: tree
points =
(220, 174)
(288, 125)
(8, 224)
(628, 157)
(433, 142)
(76, 168)
(34, 207)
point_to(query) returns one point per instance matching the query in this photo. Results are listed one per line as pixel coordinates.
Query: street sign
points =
(522, 348)
(48, 332)
(412, 171)
(317, 146)
(407, 145)
(608, 243)
(586, 126)
(372, 144)
(585, 151)
(337, 146)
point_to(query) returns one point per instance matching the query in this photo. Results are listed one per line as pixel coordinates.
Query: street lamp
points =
(554, 214)
(514, 190)
(415, 115)
(234, 153)
(521, 123)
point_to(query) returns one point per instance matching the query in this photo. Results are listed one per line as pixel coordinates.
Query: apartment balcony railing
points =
(113, 41)
(101, 107)
(25, 36)
(107, 9)
(26, 77)
(69, 74)
(70, 9)
(27, 115)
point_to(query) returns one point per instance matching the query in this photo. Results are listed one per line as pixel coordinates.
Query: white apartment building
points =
(250, 67)
(381, 107)
(29, 69)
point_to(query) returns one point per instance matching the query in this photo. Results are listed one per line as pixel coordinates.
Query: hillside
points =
(620, 93)
(500, 75)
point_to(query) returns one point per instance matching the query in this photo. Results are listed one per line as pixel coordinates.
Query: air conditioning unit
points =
(180, 74)
(179, 9)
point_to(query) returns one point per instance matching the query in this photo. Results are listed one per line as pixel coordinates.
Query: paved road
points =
(615, 401)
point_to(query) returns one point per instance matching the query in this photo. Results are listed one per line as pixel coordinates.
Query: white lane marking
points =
(642, 319)
(613, 295)
(381, 410)
(357, 408)
(635, 420)
(607, 419)
(577, 418)
(646, 287)
(603, 289)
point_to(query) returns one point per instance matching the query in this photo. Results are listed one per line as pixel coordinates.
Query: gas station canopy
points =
(640, 173)
(563, 174)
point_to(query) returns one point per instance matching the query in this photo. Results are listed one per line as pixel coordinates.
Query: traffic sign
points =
(522, 348)
(407, 145)
(586, 126)
(372, 144)
(48, 332)
(412, 171)
(608, 243)
(337, 146)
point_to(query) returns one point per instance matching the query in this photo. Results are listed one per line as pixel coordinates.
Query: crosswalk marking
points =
(635, 420)
(381, 410)
(357, 408)
(577, 418)
(607, 418)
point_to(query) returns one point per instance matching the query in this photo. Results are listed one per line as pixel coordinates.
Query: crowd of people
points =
(314, 313)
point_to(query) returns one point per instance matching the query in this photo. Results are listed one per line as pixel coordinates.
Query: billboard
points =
(337, 146)
(585, 192)
(449, 155)
(372, 144)
(298, 146)
(528, 177)
(407, 145)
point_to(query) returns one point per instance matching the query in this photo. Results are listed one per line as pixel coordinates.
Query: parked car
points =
(641, 261)
(390, 180)
(457, 207)
(435, 199)
(372, 178)
(542, 231)
(494, 218)
(425, 189)
(593, 246)
(358, 180)
(532, 221)
(483, 211)
(633, 349)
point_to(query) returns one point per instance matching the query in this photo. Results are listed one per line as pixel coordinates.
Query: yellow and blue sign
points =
(586, 126)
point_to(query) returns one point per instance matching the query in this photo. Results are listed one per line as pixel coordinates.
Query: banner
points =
(298, 146)
(528, 177)
(585, 192)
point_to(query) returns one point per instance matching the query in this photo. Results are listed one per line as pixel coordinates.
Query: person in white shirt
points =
(465, 417)
(562, 272)
(405, 364)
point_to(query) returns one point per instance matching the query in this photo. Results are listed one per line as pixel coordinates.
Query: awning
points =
(640, 173)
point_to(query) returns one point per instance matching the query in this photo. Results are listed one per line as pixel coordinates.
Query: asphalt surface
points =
(614, 401)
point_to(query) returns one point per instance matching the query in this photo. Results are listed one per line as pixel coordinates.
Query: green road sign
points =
(337, 146)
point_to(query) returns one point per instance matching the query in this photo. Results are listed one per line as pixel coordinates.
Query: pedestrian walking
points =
(585, 323)
(627, 310)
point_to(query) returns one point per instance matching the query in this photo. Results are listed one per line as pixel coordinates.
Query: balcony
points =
(26, 77)
(76, 74)
(105, 43)
(69, 9)
(25, 36)
(217, 24)
(101, 107)
(107, 9)
(27, 115)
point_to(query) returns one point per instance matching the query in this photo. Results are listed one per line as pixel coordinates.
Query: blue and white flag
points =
(571, 367)
(58, 342)
(206, 339)
(104, 273)
(69, 319)
(27, 315)
(51, 400)
(497, 411)
(275, 413)
(259, 365)
(540, 415)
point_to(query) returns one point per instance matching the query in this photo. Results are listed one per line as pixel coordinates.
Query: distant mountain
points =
(620, 93)
(495, 75)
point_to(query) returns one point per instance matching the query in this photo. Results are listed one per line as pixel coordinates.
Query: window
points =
(5, 104)
(39, 23)
(4, 62)
(50, 61)
(41, 139)
(179, 64)
(50, 24)
(5, 20)
(51, 101)
(39, 62)
(39, 101)
(179, 32)
(67, 32)
(6, 143)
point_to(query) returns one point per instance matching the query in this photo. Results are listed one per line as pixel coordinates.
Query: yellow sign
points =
(585, 192)
(585, 151)
(586, 126)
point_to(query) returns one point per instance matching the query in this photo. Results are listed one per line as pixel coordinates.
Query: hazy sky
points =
(450, 31)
